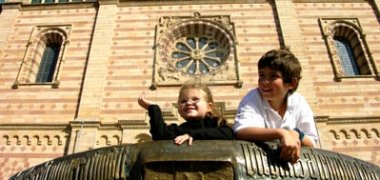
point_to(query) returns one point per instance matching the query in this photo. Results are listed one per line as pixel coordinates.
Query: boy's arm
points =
(289, 139)
(260, 134)
(306, 141)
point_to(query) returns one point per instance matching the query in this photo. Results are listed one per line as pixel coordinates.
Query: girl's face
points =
(272, 86)
(193, 105)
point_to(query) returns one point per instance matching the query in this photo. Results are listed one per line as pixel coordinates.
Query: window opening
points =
(198, 55)
(48, 63)
(346, 56)
(348, 49)
(36, 1)
(44, 56)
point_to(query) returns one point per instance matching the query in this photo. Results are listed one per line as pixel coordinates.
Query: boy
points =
(274, 111)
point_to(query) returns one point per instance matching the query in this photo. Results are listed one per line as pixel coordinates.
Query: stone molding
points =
(347, 120)
(42, 134)
(351, 127)
(329, 1)
(355, 133)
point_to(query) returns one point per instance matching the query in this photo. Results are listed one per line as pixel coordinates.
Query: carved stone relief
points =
(195, 47)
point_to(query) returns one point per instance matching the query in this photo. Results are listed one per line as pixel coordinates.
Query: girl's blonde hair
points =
(214, 113)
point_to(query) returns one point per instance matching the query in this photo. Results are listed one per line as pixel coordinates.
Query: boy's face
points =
(272, 86)
(193, 105)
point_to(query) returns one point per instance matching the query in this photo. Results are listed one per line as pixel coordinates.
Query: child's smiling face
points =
(193, 105)
(272, 86)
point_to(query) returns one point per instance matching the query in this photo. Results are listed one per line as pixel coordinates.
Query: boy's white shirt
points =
(254, 111)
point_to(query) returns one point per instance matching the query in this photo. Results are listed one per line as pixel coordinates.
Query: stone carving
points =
(34, 140)
(202, 47)
(355, 133)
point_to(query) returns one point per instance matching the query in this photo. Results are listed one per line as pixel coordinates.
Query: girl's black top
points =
(206, 129)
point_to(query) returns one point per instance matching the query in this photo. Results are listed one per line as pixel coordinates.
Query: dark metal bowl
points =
(211, 159)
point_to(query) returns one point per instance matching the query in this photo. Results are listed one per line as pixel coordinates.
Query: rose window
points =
(195, 47)
(198, 55)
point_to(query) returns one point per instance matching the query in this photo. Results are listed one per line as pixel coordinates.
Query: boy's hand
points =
(182, 138)
(144, 102)
(290, 146)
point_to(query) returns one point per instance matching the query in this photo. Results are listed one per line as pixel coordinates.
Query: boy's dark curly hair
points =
(284, 61)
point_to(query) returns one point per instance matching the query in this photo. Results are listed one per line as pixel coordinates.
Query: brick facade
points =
(109, 60)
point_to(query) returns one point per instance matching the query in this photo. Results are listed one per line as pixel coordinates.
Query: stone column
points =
(83, 136)
(95, 75)
(86, 125)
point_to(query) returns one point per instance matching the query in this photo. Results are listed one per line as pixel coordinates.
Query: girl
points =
(196, 106)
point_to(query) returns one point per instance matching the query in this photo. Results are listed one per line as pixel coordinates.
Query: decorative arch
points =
(335, 134)
(348, 49)
(357, 135)
(115, 140)
(201, 47)
(103, 140)
(376, 132)
(143, 137)
(17, 139)
(345, 133)
(47, 140)
(26, 140)
(57, 140)
(36, 140)
(7, 140)
(366, 133)
(44, 56)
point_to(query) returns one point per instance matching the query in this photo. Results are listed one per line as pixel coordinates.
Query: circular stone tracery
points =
(196, 47)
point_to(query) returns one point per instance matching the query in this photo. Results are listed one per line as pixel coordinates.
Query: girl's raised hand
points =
(144, 102)
(182, 138)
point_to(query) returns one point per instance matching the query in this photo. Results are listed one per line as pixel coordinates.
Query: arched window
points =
(48, 63)
(43, 57)
(348, 49)
(346, 56)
